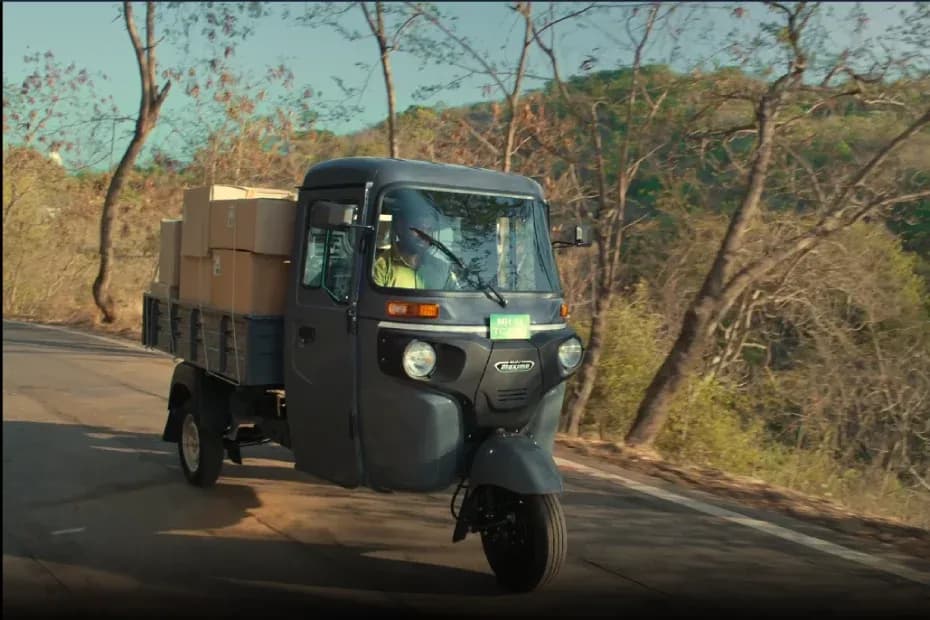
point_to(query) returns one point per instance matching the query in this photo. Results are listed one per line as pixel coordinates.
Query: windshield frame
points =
(371, 252)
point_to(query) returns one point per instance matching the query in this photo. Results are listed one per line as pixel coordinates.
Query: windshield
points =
(502, 241)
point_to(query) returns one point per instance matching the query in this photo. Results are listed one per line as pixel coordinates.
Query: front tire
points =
(529, 551)
(200, 450)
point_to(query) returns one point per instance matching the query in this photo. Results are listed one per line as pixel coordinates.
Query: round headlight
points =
(570, 354)
(419, 359)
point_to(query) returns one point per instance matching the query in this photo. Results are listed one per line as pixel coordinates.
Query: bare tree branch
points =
(477, 136)
(150, 42)
(821, 197)
(571, 15)
(137, 48)
(463, 43)
(883, 154)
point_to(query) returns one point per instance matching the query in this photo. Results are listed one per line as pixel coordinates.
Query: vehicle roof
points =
(383, 171)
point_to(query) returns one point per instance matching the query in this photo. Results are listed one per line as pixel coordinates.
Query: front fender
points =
(516, 463)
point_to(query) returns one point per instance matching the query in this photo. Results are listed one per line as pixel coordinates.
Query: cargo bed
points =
(245, 349)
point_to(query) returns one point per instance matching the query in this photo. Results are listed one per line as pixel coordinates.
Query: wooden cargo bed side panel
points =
(159, 328)
(245, 349)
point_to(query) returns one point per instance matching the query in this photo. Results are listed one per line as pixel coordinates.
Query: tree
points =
(607, 172)
(152, 96)
(384, 48)
(150, 103)
(243, 134)
(865, 190)
(511, 93)
(387, 25)
(56, 110)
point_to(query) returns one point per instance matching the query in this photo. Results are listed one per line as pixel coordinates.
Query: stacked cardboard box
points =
(251, 241)
(235, 248)
(169, 254)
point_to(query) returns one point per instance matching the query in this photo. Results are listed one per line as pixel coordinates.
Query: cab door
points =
(320, 344)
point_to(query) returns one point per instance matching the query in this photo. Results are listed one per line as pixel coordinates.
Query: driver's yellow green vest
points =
(391, 271)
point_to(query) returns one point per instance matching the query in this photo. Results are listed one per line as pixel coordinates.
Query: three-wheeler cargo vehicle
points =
(424, 346)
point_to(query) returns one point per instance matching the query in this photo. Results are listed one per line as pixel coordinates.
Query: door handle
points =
(305, 334)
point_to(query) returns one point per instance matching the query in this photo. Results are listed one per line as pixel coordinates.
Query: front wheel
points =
(201, 451)
(526, 547)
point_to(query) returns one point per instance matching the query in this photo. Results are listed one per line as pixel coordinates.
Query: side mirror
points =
(583, 236)
(328, 215)
(576, 236)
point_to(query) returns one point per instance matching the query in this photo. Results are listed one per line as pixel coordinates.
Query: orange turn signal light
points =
(413, 309)
(563, 311)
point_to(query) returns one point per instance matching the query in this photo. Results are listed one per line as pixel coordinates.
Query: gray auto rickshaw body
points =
(355, 417)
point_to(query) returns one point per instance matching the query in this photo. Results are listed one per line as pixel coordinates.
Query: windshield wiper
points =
(486, 287)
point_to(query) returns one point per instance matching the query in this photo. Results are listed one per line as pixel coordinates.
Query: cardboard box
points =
(260, 225)
(196, 280)
(248, 283)
(169, 255)
(163, 291)
(195, 236)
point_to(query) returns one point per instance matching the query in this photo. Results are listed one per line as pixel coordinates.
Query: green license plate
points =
(510, 327)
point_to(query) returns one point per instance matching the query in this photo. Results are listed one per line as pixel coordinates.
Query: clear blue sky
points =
(90, 35)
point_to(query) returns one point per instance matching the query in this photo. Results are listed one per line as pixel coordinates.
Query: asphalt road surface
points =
(97, 519)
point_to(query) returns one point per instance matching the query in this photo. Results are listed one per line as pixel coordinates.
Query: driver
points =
(400, 266)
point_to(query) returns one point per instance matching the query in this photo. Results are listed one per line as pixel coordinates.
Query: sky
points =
(91, 35)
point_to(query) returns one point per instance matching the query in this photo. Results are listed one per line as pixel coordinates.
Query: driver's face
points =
(412, 242)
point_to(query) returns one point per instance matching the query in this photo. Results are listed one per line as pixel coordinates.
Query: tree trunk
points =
(150, 103)
(587, 374)
(102, 296)
(703, 314)
(392, 118)
(377, 29)
(511, 137)
(513, 98)
(688, 347)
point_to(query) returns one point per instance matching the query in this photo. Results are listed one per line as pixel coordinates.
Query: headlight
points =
(570, 354)
(419, 359)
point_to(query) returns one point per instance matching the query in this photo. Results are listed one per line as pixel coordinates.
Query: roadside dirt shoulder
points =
(130, 336)
(902, 537)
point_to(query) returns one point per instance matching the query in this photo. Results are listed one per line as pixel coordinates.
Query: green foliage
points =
(704, 424)
(706, 427)
(630, 357)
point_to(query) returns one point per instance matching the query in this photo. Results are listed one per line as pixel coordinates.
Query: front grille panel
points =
(512, 397)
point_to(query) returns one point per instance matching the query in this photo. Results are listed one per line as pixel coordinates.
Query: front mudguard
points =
(517, 463)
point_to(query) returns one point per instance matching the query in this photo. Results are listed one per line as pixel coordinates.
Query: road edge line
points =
(812, 542)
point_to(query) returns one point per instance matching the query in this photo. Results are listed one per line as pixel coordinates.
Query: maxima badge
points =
(515, 366)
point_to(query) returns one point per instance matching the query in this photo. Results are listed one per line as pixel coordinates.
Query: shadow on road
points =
(141, 520)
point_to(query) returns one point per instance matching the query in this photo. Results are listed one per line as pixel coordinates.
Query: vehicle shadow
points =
(140, 520)
(104, 506)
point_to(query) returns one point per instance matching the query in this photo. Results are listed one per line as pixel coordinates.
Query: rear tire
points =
(201, 450)
(528, 553)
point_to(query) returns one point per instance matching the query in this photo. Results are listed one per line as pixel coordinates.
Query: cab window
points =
(329, 258)
(452, 240)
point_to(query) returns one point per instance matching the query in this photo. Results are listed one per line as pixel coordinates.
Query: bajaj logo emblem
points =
(514, 366)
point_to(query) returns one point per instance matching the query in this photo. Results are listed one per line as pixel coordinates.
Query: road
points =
(97, 518)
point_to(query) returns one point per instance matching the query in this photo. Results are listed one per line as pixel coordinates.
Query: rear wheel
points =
(200, 449)
(526, 547)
